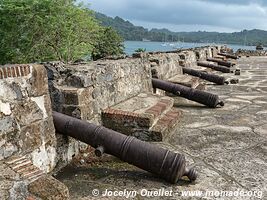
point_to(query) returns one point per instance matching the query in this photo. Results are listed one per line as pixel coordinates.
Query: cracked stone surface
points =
(228, 146)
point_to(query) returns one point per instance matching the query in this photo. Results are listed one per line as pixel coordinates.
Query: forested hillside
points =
(131, 32)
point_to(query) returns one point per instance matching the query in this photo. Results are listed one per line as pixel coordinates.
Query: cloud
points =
(192, 15)
(237, 2)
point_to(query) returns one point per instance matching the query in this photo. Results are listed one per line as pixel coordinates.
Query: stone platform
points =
(227, 145)
(146, 116)
(185, 80)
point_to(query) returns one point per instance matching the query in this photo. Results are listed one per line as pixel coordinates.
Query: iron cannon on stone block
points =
(227, 55)
(205, 98)
(162, 162)
(220, 80)
(220, 62)
(215, 67)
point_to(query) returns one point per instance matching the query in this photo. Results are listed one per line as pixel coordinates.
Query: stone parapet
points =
(27, 135)
(26, 125)
(245, 52)
(97, 85)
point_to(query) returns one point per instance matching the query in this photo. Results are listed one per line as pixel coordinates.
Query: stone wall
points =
(26, 125)
(244, 52)
(80, 90)
(189, 57)
(165, 65)
(27, 134)
(85, 90)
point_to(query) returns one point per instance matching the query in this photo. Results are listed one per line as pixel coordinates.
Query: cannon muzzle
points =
(214, 67)
(220, 62)
(227, 55)
(205, 98)
(220, 80)
(162, 162)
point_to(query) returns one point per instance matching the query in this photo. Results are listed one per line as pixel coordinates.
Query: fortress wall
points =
(26, 125)
(79, 90)
(165, 65)
(84, 90)
(244, 52)
(29, 93)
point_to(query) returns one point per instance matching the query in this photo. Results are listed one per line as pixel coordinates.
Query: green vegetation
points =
(137, 33)
(108, 43)
(140, 50)
(42, 30)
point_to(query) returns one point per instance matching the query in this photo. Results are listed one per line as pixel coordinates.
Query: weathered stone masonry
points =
(26, 122)
(116, 93)
(111, 90)
(27, 135)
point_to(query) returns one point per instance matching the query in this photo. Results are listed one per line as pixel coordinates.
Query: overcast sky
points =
(188, 15)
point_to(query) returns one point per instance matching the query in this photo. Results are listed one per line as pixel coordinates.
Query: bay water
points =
(131, 46)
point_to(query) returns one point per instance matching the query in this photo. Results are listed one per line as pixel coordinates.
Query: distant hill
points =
(138, 33)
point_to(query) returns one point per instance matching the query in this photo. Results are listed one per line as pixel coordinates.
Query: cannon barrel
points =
(214, 67)
(162, 162)
(220, 80)
(208, 99)
(220, 62)
(227, 55)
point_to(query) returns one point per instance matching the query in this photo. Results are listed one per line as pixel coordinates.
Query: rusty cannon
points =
(220, 62)
(220, 80)
(227, 55)
(162, 162)
(214, 67)
(205, 98)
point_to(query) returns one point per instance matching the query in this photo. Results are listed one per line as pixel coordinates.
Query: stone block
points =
(27, 112)
(48, 131)
(7, 172)
(85, 95)
(185, 80)
(166, 123)
(76, 96)
(5, 186)
(70, 96)
(72, 110)
(137, 115)
(38, 81)
(49, 188)
(79, 80)
(30, 137)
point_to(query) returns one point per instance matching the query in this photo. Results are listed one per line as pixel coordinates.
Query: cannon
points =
(205, 98)
(227, 55)
(214, 67)
(220, 80)
(220, 62)
(162, 162)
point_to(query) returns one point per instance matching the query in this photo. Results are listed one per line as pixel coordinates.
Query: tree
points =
(40, 30)
(109, 43)
(139, 50)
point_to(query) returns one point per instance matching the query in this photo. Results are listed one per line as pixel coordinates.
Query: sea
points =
(131, 46)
